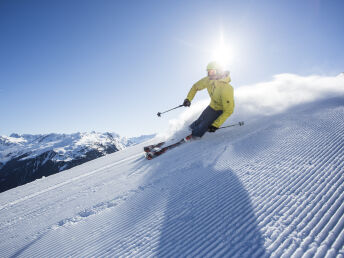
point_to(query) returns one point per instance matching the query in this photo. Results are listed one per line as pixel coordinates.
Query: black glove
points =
(212, 129)
(186, 103)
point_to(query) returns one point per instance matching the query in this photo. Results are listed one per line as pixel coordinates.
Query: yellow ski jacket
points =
(221, 94)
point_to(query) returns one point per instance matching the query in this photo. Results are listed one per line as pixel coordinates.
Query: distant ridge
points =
(25, 158)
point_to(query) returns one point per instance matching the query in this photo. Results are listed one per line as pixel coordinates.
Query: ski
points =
(155, 152)
(149, 148)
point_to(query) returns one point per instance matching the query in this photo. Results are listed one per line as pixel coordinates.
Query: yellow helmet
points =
(214, 66)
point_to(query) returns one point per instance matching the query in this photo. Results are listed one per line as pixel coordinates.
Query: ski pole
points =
(240, 124)
(159, 113)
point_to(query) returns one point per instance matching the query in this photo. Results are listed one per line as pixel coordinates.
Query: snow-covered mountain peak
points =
(68, 144)
(10, 140)
(15, 135)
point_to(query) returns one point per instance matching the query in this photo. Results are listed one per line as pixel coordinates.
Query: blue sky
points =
(68, 66)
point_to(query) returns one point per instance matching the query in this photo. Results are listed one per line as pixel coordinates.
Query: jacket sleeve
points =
(228, 106)
(200, 85)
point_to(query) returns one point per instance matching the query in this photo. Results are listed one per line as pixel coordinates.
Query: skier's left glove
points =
(212, 129)
(186, 103)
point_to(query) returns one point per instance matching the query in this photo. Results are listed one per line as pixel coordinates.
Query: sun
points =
(223, 52)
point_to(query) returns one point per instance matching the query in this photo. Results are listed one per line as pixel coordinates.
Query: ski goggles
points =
(211, 72)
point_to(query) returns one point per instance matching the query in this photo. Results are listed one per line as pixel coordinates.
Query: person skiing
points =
(220, 108)
(222, 100)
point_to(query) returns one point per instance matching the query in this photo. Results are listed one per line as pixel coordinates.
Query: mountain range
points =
(27, 157)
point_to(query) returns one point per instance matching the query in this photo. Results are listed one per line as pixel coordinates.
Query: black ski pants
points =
(201, 125)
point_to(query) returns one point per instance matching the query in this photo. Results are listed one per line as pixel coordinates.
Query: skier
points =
(222, 100)
(219, 109)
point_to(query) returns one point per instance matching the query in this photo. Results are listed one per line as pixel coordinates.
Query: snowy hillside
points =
(272, 188)
(24, 158)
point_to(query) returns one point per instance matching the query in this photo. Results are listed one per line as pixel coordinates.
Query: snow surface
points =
(274, 187)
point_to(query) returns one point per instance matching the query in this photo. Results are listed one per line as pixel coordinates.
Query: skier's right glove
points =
(212, 129)
(187, 103)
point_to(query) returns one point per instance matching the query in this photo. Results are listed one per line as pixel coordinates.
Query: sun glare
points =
(223, 52)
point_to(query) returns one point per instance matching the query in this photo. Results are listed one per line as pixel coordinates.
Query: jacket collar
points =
(226, 79)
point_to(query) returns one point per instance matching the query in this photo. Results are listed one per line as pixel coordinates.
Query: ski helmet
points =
(214, 66)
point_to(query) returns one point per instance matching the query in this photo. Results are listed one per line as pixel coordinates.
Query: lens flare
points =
(223, 53)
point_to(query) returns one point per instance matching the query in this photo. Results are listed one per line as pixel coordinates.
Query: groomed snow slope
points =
(274, 187)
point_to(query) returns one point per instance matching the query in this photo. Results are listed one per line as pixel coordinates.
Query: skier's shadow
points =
(208, 212)
(216, 216)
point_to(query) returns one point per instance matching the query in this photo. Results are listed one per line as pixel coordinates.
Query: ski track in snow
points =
(273, 188)
(65, 182)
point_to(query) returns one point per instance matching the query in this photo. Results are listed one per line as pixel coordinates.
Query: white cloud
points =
(266, 98)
